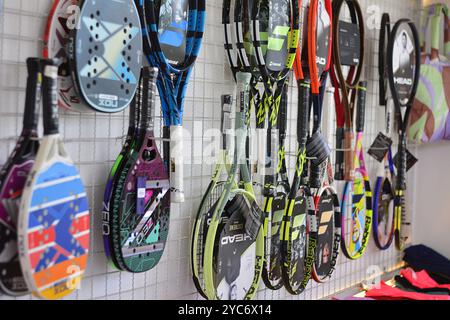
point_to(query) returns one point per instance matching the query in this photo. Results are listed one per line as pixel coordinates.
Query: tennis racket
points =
(328, 217)
(234, 248)
(279, 22)
(403, 67)
(175, 30)
(129, 144)
(12, 182)
(383, 195)
(141, 199)
(209, 200)
(356, 205)
(59, 23)
(53, 227)
(326, 203)
(348, 58)
(105, 54)
(299, 244)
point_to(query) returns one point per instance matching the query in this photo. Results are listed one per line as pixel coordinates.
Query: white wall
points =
(432, 191)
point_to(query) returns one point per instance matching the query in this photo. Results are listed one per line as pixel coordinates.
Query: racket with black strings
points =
(141, 199)
(129, 144)
(403, 69)
(234, 248)
(299, 222)
(175, 32)
(279, 22)
(12, 182)
(383, 195)
(348, 55)
(210, 198)
(105, 54)
(320, 37)
(348, 58)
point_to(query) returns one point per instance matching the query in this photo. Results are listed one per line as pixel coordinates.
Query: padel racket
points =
(298, 244)
(141, 198)
(234, 248)
(383, 195)
(403, 67)
(61, 20)
(175, 30)
(105, 54)
(279, 22)
(348, 58)
(12, 182)
(129, 144)
(210, 198)
(53, 226)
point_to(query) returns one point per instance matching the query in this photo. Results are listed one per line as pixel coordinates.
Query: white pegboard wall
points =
(94, 140)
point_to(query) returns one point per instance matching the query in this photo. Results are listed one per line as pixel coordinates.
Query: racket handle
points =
(402, 162)
(176, 164)
(303, 112)
(50, 95)
(361, 106)
(348, 155)
(148, 95)
(33, 94)
(339, 167)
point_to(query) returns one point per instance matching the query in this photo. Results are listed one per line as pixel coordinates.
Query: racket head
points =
(385, 33)
(13, 177)
(383, 213)
(403, 71)
(320, 31)
(328, 233)
(238, 257)
(301, 237)
(272, 271)
(354, 68)
(281, 32)
(56, 38)
(356, 215)
(105, 54)
(204, 214)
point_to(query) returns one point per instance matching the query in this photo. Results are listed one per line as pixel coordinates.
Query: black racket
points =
(12, 181)
(403, 67)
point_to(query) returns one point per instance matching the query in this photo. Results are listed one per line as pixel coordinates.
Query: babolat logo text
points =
(322, 61)
(107, 100)
(235, 239)
(407, 81)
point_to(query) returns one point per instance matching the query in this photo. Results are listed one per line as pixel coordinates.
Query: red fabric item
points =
(385, 292)
(421, 279)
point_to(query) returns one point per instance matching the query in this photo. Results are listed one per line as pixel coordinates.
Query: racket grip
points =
(314, 179)
(50, 95)
(348, 155)
(339, 166)
(33, 94)
(303, 112)
(176, 164)
(402, 163)
(361, 106)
